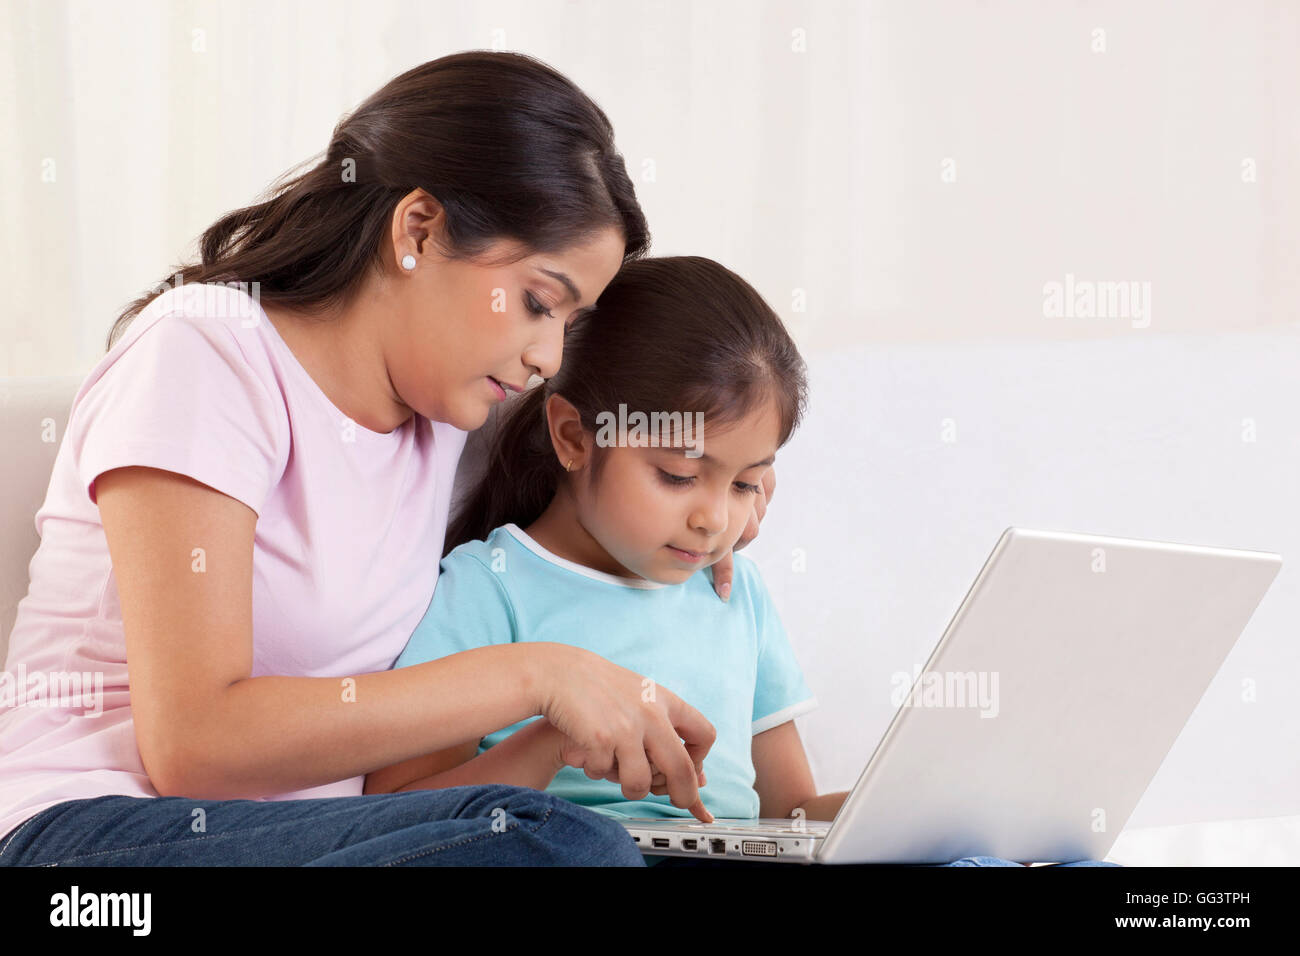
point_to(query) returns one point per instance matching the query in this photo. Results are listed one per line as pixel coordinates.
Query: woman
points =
(250, 474)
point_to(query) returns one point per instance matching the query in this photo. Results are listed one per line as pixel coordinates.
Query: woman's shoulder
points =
(209, 305)
(186, 389)
(200, 330)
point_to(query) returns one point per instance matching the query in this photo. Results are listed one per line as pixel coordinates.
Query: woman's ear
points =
(418, 218)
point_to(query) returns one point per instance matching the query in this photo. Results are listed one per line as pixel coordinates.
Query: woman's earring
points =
(408, 262)
(569, 465)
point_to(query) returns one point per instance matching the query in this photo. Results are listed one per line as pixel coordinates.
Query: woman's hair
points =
(510, 147)
(673, 334)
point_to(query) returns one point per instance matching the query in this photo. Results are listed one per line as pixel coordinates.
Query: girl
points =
(589, 533)
(249, 472)
(583, 534)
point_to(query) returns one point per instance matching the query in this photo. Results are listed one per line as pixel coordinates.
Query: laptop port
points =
(717, 846)
(690, 845)
(758, 848)
(659, 843)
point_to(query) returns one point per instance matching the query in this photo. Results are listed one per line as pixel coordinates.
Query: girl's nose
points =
(711, 519)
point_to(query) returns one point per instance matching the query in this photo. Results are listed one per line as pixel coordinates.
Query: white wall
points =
(816, 169)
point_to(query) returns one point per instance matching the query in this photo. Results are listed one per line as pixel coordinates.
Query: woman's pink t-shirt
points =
(349, 533)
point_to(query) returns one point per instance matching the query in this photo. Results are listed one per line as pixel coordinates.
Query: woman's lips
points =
(496, 387)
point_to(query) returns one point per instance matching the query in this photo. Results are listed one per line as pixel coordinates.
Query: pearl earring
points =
(408, 262)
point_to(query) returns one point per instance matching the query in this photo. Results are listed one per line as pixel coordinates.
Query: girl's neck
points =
(559, 531)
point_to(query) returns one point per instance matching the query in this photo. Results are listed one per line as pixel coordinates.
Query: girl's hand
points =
(723, 568)
(619, 725)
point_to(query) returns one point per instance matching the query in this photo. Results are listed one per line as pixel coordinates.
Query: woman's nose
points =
(545, 353)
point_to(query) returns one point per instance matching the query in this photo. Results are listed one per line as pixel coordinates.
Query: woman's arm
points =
(783, 779)
(206, 728)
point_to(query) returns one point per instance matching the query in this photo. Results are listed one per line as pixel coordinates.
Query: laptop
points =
(1040, 718)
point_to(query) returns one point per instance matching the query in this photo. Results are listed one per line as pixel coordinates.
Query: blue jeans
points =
(489, 825)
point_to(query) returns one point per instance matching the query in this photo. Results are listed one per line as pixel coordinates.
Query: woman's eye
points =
(534, 306)
(747, 489)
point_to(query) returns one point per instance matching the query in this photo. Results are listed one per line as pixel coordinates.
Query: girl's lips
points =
(686, 555)
(501, 392)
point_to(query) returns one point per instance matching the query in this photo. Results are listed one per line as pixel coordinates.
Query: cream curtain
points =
(881, 171)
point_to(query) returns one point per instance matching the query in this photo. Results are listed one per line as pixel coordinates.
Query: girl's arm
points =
(530, 757)
(393, 778)
(784, 780)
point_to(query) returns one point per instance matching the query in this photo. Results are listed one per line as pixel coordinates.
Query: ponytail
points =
(520, 477)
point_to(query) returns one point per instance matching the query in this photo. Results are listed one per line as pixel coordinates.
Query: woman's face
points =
(462, 324)
(641, 511)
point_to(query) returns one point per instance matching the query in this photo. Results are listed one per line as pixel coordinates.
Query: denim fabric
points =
(490, 825)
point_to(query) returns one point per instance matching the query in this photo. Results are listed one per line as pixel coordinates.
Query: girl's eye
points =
(534, 306)
(678, 481)
(675, 481)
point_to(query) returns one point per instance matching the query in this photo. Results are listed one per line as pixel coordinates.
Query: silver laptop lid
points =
(1051, 700)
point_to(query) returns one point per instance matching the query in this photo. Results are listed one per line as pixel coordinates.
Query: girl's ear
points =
(565, 427)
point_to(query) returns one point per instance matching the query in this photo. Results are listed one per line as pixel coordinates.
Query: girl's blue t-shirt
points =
(731, 661)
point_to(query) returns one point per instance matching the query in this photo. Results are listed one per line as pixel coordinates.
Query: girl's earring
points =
(569, 465)
(408, 262)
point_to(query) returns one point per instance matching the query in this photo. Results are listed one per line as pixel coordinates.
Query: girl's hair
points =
(674, 334)
(511, 148)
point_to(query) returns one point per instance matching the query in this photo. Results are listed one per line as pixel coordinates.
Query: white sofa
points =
(1142, 435)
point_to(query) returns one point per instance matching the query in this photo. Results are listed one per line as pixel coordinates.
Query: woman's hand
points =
(563, 751)
(659, 783)
(619, 725)
(723, 569)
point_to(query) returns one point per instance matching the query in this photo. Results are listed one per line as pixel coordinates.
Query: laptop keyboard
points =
(816, 827)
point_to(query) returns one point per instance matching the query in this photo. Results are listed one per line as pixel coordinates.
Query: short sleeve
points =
(469, 609)
(183, 397)
(780, 692)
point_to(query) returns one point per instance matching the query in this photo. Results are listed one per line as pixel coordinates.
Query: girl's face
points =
(460, 324)
(643, 512)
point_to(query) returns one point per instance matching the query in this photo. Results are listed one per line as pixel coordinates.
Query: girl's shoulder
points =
(485, 551)
(745, 573)
(749, 587)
